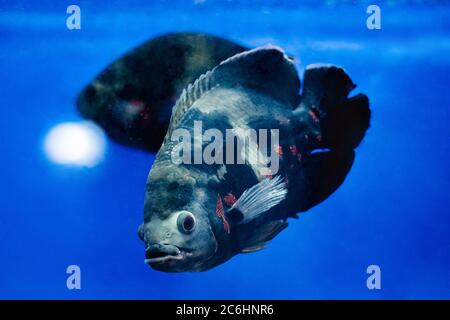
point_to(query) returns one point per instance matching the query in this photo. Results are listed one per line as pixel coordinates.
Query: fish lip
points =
(163, 259)
(170, 253)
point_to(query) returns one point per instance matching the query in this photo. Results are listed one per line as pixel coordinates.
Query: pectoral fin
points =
(258, 199)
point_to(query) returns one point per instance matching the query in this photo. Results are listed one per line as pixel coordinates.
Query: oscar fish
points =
(199, 214)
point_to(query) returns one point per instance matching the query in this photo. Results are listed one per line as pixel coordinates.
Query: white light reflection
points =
(75, 143)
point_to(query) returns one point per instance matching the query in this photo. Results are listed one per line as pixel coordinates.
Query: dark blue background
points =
(392, 210)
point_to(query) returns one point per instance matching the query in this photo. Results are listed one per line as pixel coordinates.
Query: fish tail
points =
(343, 121)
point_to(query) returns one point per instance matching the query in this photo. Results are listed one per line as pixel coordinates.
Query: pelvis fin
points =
(267, 232)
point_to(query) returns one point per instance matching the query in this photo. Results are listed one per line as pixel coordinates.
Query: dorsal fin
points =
(192, 93)
(265, 69)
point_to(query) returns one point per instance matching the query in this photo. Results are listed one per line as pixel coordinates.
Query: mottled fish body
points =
(206, 206)
(257, 89)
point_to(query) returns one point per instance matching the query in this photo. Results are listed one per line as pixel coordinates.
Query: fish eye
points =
(186, 222)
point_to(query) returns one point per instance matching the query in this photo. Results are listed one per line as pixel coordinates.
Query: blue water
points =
(392, 210)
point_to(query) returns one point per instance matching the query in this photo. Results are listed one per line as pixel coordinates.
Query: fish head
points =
(111, 101)
(176, 229)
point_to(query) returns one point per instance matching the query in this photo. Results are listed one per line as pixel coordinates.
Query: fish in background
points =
(199, 215)
(132, 98)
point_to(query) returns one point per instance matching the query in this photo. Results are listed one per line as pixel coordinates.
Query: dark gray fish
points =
(133, 97)
(199, 215)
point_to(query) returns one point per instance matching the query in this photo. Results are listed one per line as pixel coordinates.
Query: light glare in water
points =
(76, 144)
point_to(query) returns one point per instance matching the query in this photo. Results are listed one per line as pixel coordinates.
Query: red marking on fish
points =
(269, 174)
(221, 214)
(278, 149)
(293, 149)
(136, 103)
(131, 108)
(145, 118)
(313, 115)
(229, 199)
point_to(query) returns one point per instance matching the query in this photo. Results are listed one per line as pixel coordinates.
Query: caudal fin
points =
(343, 121)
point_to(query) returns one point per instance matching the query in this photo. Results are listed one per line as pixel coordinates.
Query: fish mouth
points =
(161, 253)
